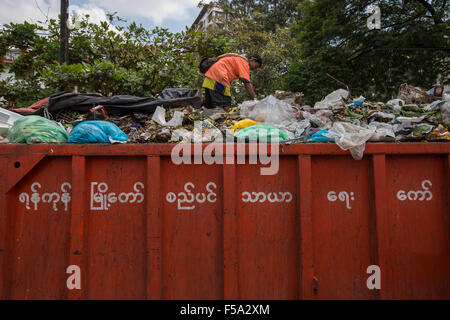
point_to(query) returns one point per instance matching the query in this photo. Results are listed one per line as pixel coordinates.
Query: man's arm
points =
(249, 89)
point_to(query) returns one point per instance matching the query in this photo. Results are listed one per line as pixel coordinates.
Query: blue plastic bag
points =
(97, 132)
(319, 137)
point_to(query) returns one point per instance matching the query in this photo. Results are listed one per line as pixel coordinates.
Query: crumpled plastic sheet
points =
(351, 137)
(333, 100)
(410, 119)
(435, 105)
(412, 94)
(205, 132)
(320, 136)
(383, 115)
(269, 110)
(445, 109)
(181, 134)
(359, 99)
(298, 128)
(320, 119)
(383, 131)
(160, 118)
(396, 104)
(439, 133)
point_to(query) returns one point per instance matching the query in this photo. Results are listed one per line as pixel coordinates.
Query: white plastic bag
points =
(7, 119)
(445, 109)
(435, 105)
(320, 119)
(160, 117)
(410, 119)
(383, 115)
(246, 107)
(359, 99)
(396, 104)
(298, 128)
(350, 137)
(383, 132)
(333, 100)
(181, 134)
(269, 110)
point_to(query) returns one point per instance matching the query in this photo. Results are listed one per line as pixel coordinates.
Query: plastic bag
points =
(417, 132)
(160, 117)
(439, 133)
(409, 119)
(445, 110)
(181, 135)
(7, 119)
(299, 128)
(97, 132)
(412, 94)
(350, 137)
(436, 105)
(359, 99)
(383, 132)
(36, 129)
(382, 116)
(246, 107)
(319, 119)
(205, 132)
(333, 100)
(244, 124)
(263, 133)
(269, 110)
(396, 104)
(320, 136)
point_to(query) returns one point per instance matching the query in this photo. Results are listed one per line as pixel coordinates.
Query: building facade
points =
(9, 59)
(207, 17)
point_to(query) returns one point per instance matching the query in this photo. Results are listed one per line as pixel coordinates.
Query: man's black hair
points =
(257, 58)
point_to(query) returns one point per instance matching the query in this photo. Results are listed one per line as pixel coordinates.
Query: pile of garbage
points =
(416, 115)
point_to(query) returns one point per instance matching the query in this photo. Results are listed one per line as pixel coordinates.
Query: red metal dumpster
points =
(135, 225)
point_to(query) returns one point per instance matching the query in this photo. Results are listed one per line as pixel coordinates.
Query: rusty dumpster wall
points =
(140, 227)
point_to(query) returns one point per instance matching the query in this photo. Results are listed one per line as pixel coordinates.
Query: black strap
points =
(231, 55)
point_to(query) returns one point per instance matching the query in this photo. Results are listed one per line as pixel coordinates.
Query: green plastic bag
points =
(263, 133)
(36, 129)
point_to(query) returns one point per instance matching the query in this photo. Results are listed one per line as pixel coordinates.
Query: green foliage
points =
(106, 58)
(267, 14)
(21, 93)
(333, 38)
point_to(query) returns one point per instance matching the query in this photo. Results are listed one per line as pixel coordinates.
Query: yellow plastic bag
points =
(244, 124)
(439, 133)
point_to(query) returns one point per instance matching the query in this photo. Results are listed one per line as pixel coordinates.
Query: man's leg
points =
(220, 100)
(208, 101)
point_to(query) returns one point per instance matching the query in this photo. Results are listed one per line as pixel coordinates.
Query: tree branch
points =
(431, 10)
(39, 8)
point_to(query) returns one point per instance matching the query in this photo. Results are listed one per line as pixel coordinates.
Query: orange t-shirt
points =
(228, 69)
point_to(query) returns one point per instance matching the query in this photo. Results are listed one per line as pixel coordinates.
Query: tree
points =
(333, 37)
(104, 58)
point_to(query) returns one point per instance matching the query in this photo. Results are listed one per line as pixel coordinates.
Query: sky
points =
(172, 14)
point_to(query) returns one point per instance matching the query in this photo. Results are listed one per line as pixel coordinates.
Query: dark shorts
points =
(215, 99)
